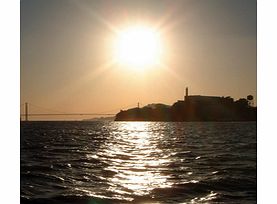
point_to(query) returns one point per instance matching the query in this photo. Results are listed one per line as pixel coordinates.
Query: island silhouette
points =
(194, 108)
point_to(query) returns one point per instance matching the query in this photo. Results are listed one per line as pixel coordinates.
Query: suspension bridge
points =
(50, 112)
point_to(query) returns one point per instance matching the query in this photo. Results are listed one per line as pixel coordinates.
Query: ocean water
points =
(138, 162)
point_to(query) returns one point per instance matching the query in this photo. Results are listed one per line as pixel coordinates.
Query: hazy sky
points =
(66, 52)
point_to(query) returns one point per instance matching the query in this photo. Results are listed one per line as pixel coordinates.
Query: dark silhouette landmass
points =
(194, 108)
(100, 119)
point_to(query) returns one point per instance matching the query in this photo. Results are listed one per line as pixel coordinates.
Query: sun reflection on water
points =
(135, 157)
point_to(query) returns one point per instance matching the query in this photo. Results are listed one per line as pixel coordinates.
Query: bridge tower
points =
(26, 111)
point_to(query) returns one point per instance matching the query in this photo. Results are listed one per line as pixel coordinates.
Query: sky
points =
(66, 53)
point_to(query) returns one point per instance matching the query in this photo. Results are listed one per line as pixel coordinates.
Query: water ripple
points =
(138, 161)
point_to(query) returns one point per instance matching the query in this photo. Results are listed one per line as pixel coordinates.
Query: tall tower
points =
(187, 93)
(26, 111)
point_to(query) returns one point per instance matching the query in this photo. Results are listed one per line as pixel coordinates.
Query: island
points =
(194, 108)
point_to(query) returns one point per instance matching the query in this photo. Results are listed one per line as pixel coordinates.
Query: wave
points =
(220, 190)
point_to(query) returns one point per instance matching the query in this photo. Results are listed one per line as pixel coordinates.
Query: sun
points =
(138, 47)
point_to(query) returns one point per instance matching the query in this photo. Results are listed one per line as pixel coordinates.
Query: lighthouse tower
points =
(187, 94)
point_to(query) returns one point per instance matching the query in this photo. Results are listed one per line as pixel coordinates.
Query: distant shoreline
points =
(93, 121)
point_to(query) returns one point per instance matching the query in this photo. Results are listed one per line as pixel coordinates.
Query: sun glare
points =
(138, 47)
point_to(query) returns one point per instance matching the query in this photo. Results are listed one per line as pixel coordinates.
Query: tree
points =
(250, 99)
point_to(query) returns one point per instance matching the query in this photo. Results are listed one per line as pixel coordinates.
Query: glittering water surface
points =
(140, 162)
